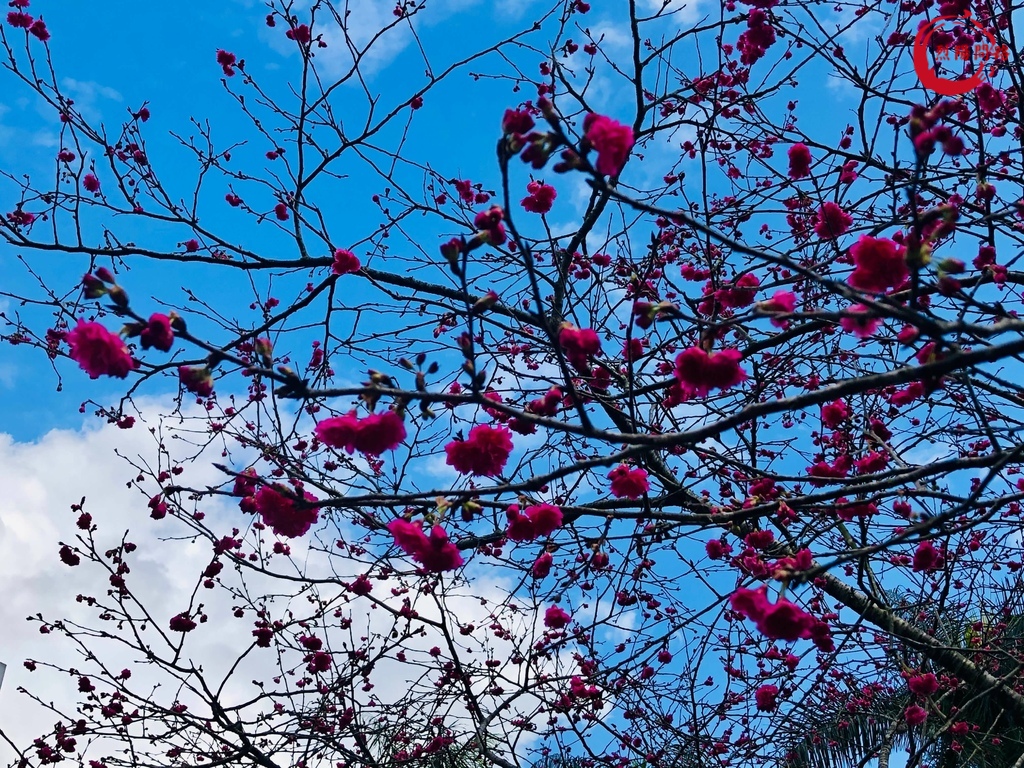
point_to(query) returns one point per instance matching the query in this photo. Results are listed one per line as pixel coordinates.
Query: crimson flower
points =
(628, 483)
(879, 264)
(781, 302)
(181, 623)
(927, 557)
(766, 696)
(915, 715)
(860, 322)
(611, 139)
(227, 60)
(835, 413)
(832, 221)
(516, 121)
(556, 618)
(339, 431)
(923, 685)
(546, 518)
(799, 161)
(157, 333)
(520, 526)
(345, 262)
(91, 183)
(542, 566)
(435, 552)
(39, 30)
(380, 432)
(484, 453)
(98, 351)
(701, 372)
(279, 509)
(541, 197)
(781, 621)
(579, 344)
(377, 433)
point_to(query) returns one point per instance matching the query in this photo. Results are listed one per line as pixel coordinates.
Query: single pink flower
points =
(556, 618)
(542, 566)
(835, 413)
(546, 518)
(860, 321)
(339, 431)
(157, 333)
(766, 696)
(628, 483)
(380, 432)
(227, 61)
(345, 262)
(927, 558)
(281, 511)
(799, 161)
(91, 183)
(613, 142)
(915, 715)
(879, 264)
(98, 351)
(832, 221)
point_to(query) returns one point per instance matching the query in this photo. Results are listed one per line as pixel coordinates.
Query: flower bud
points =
(119, 296)
(93, 287)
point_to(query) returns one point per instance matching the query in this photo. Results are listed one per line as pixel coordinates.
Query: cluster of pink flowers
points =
(879, 264)
(373, 435)
(21, 20)
(537, 520)
(758, 37)
(281, 510)
(541, 197)
(782, 620)
(832, 221)
(579, 345)
(612, 140)
(483, 453)
(701, 372)
(628, 483)
(227, 61)
(434, 552)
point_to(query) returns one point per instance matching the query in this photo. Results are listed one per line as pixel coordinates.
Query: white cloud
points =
(41, 479)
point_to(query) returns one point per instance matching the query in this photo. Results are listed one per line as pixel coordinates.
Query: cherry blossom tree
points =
(689, 416)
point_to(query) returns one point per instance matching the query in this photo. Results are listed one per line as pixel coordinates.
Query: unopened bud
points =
(119, 296)
(93, 287)
(485, 302)
(104, 274)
